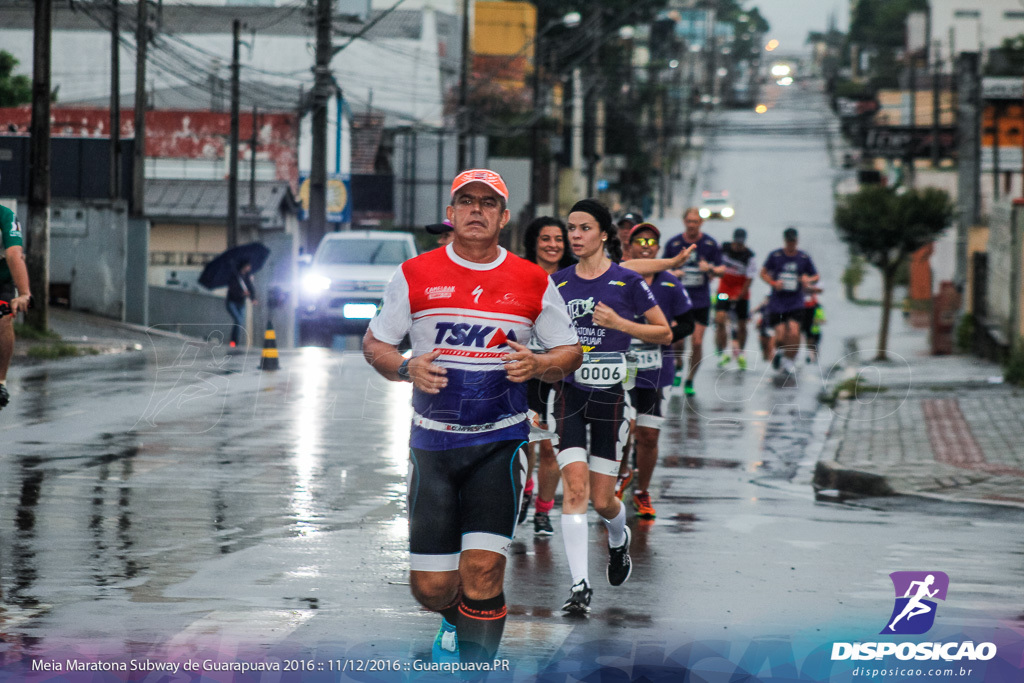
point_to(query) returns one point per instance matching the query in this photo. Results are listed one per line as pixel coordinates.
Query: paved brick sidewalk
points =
(939, 429)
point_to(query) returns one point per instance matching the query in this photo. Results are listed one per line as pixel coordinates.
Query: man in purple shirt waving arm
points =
(703, 264)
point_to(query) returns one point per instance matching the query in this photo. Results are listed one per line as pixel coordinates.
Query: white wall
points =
(975, 24)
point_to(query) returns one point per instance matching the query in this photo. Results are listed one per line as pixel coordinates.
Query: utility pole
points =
(462, 116)
(968, 156)
(115, 101)
(236, 31)
(253, 141)
(577, 130)
(38, 253)
(535, 175)
(322, 85)
(936, 64)
(139, 150)
(908, 155)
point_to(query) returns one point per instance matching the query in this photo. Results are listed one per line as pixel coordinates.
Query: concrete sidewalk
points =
(941, 427)
(96, 335)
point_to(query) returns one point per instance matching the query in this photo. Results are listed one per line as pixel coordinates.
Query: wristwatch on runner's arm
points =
(403, 371)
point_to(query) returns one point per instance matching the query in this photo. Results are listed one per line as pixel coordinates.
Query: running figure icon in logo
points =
(912, 591)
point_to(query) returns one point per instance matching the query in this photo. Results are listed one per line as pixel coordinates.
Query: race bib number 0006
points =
(602, 370)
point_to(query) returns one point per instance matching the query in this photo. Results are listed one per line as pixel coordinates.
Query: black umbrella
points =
(221, 270)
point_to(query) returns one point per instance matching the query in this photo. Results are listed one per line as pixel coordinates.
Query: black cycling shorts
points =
(647, 403)
(776, 319)
(463, 499)
(606, 412)
(808, 320)
(702, 315)
(537, 395)
(6, 291)
(740, 306)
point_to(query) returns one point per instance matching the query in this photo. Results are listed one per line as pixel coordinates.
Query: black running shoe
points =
(542, 524)
(579, 598)
(619, 564)
(5, 398)
(525, 507)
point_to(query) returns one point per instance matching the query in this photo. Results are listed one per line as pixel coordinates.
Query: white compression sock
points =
(616, 527)
(574, 535)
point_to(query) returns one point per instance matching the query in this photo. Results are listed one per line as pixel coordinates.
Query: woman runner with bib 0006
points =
(605, 301)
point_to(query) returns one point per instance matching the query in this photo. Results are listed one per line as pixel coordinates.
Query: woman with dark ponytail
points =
(605, 302)
(546, 243)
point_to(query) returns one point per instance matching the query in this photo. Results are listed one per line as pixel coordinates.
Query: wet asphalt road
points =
(177, 501)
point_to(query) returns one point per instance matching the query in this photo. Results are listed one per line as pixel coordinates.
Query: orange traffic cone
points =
(269, 360)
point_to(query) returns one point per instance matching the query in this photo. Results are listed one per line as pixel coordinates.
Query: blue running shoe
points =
(446, 645)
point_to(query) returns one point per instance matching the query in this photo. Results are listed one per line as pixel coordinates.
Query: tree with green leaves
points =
(886, 227)
(14, 90)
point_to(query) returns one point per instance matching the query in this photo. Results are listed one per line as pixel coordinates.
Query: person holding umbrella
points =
(240, 288)
(233, 269)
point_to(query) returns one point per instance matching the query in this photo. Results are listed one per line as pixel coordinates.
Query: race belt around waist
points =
(433, 425)
(603, 369)
(648, 356)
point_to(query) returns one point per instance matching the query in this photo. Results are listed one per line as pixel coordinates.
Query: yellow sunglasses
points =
(645, 241)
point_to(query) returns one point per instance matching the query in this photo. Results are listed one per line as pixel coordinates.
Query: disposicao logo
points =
(913, 614)
(914, 611)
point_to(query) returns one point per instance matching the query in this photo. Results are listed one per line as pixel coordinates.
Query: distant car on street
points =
(716, 205)
(344, 284)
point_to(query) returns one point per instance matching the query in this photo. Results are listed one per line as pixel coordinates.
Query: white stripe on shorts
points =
(434, 563)
(478, 540)
(609, 468)
(571, 455)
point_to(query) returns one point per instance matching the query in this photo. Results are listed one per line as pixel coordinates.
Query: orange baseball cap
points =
(480, 175)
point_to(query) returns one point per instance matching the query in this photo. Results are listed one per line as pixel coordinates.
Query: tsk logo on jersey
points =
(617, 283)
(579, 308)
(480, 336)
(445, 292)
(914, 612)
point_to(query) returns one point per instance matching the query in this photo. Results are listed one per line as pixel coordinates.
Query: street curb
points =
(829, 475)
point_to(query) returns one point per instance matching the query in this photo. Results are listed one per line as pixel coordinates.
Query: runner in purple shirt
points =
(696, 274)
(788, 271)
(605, 302)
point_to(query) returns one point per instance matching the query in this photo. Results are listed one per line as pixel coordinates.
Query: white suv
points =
(344, 283)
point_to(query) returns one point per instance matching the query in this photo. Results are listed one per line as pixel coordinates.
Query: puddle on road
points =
(694, 462)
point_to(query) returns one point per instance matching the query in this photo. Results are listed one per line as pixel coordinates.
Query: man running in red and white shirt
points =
(734, 298)
(469, 308)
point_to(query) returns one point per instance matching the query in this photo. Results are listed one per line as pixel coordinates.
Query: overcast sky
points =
(792, 20)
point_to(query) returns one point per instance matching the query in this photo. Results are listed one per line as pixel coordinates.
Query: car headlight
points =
(705, 213)
(313, 283)
(727, 212)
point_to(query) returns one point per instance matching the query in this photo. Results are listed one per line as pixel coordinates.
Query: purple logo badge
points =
(916, 592)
